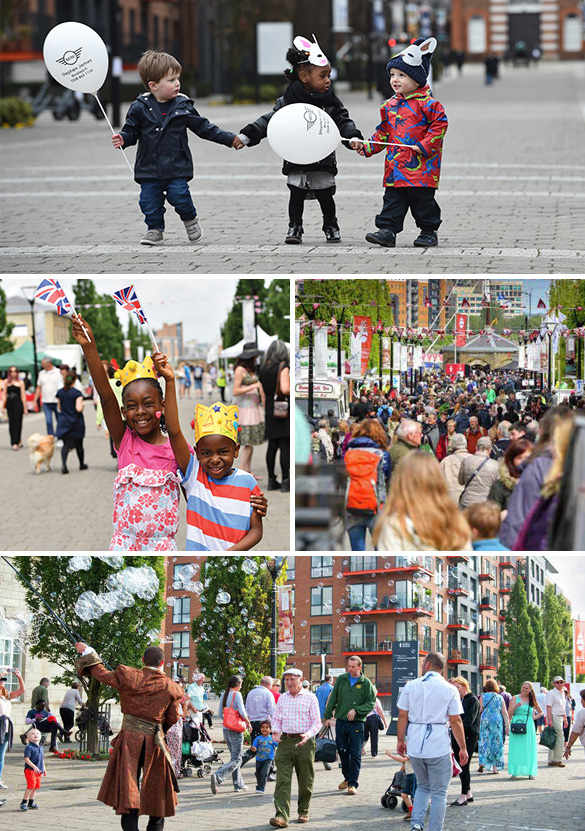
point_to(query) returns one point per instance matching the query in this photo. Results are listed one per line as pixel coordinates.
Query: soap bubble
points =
(241, 670)
(249, 566)
(196, 587)
(81, 562)
(87, 606)
(113, 560)
(141, 581)
(339, 575)
(153, 635)
(231, 630)
(223, 598)
(171, 601)
(357, 618)
(177, 585)
(303, 623)
(251, 625)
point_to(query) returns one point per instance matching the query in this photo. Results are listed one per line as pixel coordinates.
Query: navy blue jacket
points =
(163, 147)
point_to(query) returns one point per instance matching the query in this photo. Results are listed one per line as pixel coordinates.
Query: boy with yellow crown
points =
(224, 504)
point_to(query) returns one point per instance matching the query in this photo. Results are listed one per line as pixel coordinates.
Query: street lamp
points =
(274, 566)
(28, 292)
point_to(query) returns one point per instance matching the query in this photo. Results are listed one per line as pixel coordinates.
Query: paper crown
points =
(312, 49)
(134, 371)
(217, 420)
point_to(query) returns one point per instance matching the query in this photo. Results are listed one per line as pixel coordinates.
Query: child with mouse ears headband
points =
(411, 130)
(309, 83)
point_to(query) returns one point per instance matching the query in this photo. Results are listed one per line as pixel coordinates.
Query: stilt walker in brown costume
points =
(139, 778)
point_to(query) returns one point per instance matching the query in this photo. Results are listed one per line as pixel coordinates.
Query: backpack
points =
(364, 468)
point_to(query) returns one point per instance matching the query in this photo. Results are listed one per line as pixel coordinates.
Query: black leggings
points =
(72, 444)
(282, 444)
(296, 203)
(15, 412)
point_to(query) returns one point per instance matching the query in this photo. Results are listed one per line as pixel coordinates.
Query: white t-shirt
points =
(556, 700)
(5, 706)
(579, 725)
(70, 699)
(430, 701)
(50, 380)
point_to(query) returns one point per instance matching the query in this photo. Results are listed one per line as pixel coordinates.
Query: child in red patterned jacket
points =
(412, 127)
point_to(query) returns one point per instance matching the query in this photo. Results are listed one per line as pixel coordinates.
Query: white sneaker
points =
(152, 237)
(3, 786)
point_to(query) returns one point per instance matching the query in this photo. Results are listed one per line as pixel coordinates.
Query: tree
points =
(518, 661)
(6, 344)
(558, 631)
(119, 638)
(232, 330)
(100, 312)
(535, 615)
(276, 316)
(233, 638)
(138, 336)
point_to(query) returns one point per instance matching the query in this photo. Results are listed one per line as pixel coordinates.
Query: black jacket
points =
(163, 147)
(328, 101)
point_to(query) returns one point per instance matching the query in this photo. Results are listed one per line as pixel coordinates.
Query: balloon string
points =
(113, 132)
(385, 143)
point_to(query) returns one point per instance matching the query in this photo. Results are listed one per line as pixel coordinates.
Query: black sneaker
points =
(84, 467)
(384, 237)
(273, 484)
(332, 234)
(64, 470)
(294, 235)
(32, 806)
(285, 485)
(426, 239)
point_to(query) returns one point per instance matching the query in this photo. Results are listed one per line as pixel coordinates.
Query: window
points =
(439, 641)
(182, 610)
(290, 568)
(363, 636)
(10, 656)
(404, 593)
(321, 566)
(363, 596)
(321, 600)
(473, 588)
(362, 563)
(321, 639)
(180, 645)
(371, 671)
(406, 630)
(426, 645)
(315, 672)
(439, 609)
(473, 652)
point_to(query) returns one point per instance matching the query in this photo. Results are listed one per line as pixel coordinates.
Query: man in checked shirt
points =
(295, 723)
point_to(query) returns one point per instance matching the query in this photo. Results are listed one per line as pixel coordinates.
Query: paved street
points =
(54, 512)
(512, 193)
(552, 802)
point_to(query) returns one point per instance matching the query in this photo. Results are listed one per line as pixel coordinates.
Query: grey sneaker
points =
(152, 237)
(193, 229)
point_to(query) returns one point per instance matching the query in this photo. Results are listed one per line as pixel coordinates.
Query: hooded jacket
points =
(524, 497)
(419, 119)
(163, 146)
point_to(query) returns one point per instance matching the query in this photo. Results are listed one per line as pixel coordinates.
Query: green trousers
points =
(289, 757)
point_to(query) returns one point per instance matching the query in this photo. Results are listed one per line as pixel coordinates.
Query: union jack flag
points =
(50, 291)
(128, 300)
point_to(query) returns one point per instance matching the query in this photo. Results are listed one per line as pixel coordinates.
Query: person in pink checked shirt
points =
(295, 723)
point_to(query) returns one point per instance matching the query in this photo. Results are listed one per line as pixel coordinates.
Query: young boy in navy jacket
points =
(414, 124)
(158, 120)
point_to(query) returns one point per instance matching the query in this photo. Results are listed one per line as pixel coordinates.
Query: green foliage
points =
(6, 344)
(568, 294)
(558, 631)
(234, 639)
(138, 336)
(275, 317)
(542, 674)
(519, 661)
(14, 112)
(100, 312)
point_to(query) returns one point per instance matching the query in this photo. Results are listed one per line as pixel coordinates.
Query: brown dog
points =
(41, 449)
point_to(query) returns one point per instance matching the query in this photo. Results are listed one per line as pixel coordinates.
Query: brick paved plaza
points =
(511, 192)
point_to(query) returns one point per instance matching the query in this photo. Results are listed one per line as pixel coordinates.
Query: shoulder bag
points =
(232, 720)
(520, 727)
(325, 747)
(548, 737)
(281, 403)
(472, 477)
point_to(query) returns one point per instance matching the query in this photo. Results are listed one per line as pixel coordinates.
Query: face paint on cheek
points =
(158, 414)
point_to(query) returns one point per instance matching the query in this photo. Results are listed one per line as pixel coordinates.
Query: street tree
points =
(276, 314)
(535, 614)
(518, 661)
(119, 638)
(6, 344)
(558, 631)
(233, 635)
(232, 330)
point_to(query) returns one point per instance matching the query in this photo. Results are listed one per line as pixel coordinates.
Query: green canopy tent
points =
(23, 359)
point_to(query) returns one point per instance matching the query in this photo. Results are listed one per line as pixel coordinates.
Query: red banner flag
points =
(460, 330)
(363, 325)
(579, 646)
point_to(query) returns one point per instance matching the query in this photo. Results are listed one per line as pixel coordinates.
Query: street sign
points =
(404, 668)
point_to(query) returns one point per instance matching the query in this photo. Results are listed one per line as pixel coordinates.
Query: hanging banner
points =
(460, 329)
(355, 356)
(248, 321)
(579, 634)
(396, 359)
(404, 359)
(570, 356)
(418, 357)
(385, 353)
(431, 359)
(320, 352)
(363, 325)
(286, 631)
(453, 370)
(521, 357)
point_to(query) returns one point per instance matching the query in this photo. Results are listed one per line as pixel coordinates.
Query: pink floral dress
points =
(146, 496)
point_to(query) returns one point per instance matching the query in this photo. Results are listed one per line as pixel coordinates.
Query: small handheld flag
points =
(50, 291)
(128, 299)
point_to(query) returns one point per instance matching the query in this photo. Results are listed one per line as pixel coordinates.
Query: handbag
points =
(548, 737)
(232, 720)
(325, 747)
(281, 403)
(519, 727)
(455, 766)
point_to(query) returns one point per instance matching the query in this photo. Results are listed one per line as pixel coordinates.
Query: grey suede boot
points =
(154, 236)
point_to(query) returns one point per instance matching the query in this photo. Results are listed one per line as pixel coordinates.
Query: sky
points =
(201, 304)
(571, 579)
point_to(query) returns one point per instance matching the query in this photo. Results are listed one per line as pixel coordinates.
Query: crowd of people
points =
(455, 464)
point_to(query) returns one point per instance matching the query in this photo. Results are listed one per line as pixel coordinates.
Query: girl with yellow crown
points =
(146, 489)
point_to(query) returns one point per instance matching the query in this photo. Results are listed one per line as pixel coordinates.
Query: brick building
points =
(170, 340)
(418, 303)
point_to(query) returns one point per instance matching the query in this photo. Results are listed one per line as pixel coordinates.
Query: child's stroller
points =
(197, 750)
(402, 782)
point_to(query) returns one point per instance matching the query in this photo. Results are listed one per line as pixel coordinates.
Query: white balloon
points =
(76, 56)
(302, 133)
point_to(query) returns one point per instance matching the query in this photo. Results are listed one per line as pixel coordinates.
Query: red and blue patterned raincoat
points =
(417, 119)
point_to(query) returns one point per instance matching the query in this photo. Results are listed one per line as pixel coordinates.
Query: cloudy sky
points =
(200, 303)
(571, 579)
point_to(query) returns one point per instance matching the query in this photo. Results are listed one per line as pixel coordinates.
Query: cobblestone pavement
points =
(55, 512)
(512, 193)
(552, 802)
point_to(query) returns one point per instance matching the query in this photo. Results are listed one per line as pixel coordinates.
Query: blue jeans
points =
(152, 201)
(50, 410)
(3, 747)
(234, 743)
(432, 781)
(357, 533)
(349, 738)
(262, 771)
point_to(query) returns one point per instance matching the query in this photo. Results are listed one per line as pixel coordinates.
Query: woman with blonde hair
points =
(470, 718)
(523, 750)
(418, 513)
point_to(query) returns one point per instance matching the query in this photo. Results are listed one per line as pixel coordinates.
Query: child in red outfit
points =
(414, 124)
(34, 768)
